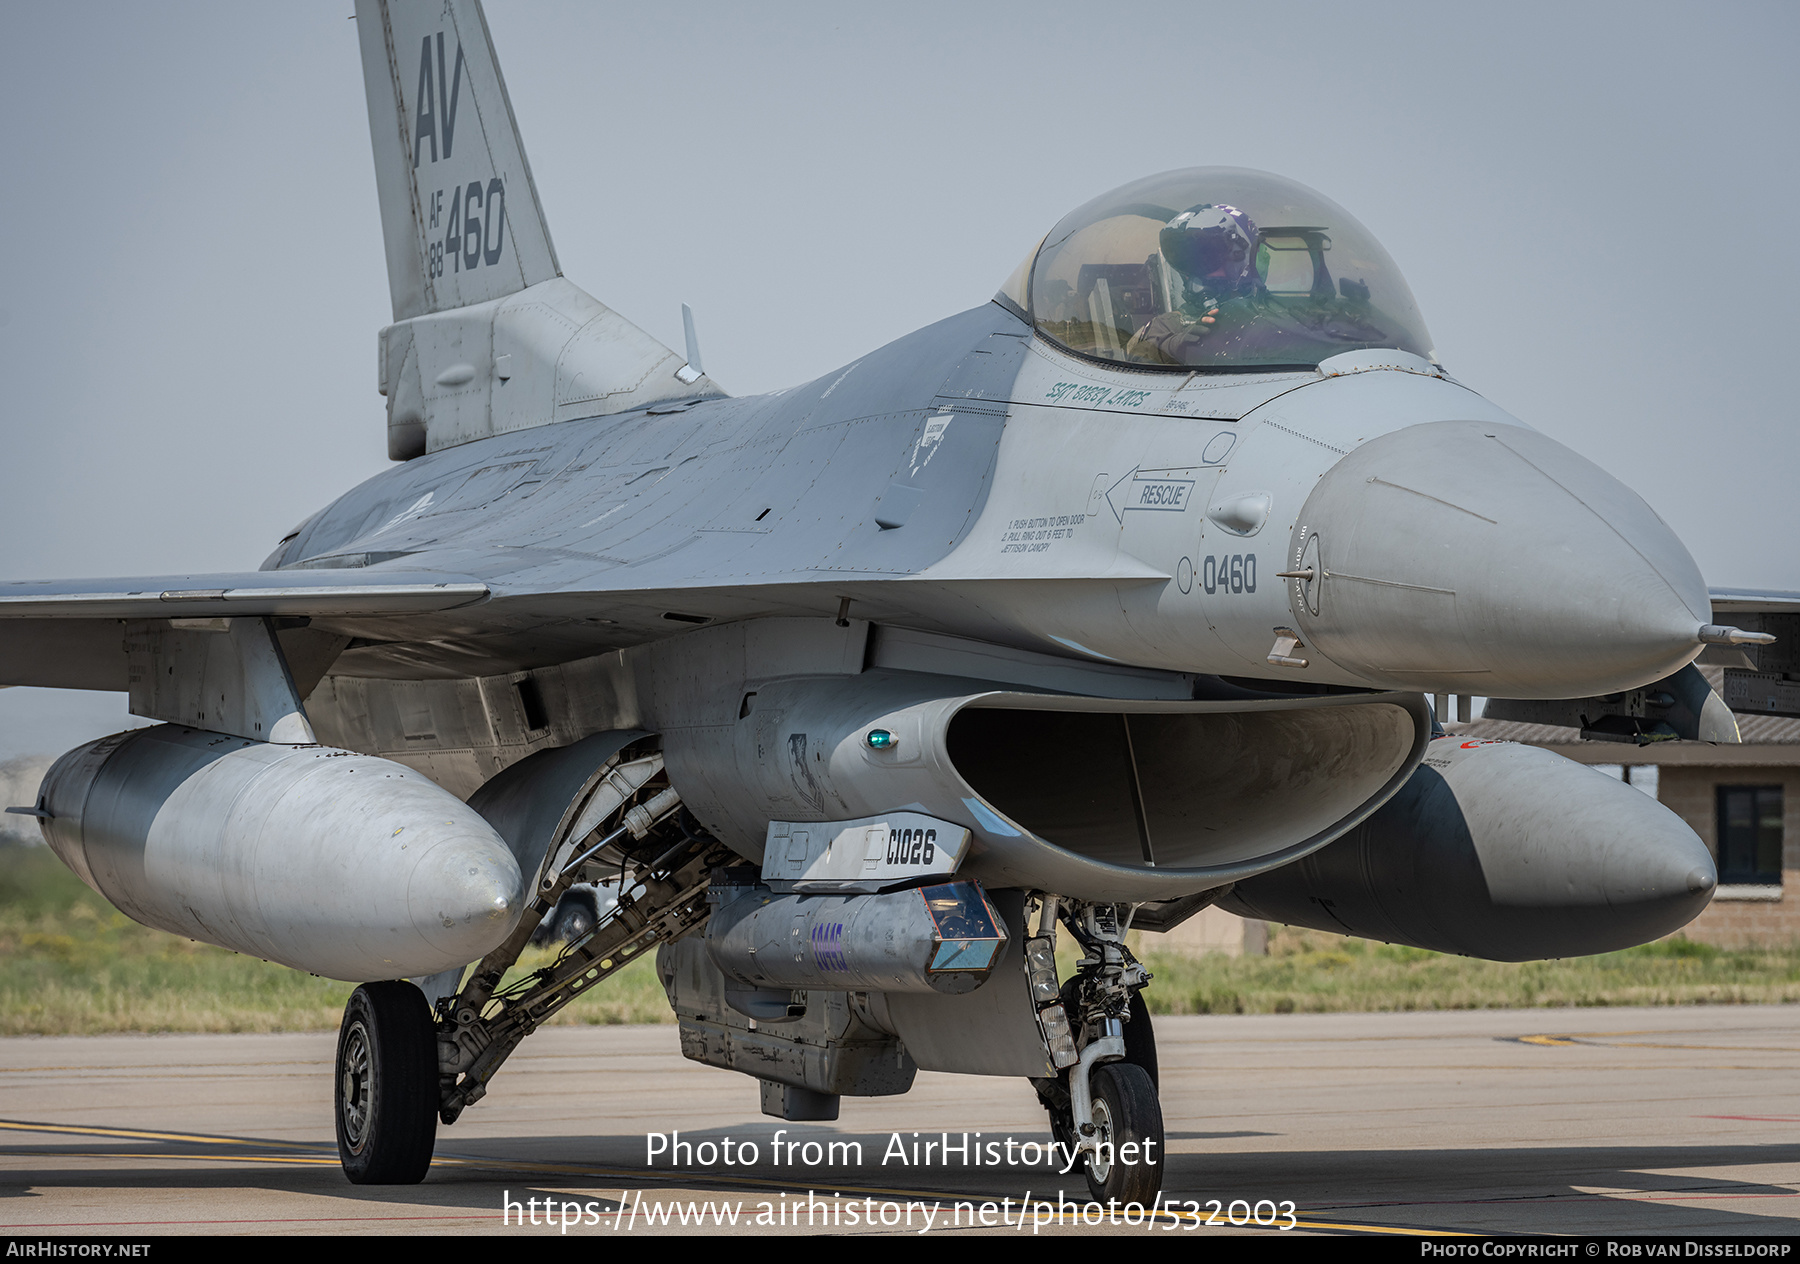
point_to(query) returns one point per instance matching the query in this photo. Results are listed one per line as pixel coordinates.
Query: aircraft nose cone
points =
(1470, 557)
(464, 894)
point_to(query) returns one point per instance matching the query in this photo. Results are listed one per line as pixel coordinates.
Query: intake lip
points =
(1481, 558)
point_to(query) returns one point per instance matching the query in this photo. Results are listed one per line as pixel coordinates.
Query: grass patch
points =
(1310, 972)
(74, 965)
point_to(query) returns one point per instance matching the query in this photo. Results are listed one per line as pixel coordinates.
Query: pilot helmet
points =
(1213, 246)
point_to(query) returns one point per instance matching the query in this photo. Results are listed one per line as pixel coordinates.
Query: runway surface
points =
(1659, 1121)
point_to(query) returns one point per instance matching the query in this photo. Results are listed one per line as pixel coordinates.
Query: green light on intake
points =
(881, 739)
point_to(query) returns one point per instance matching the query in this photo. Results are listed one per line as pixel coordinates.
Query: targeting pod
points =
(944, 938)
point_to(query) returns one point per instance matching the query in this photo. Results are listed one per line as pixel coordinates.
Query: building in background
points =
(1211, 930)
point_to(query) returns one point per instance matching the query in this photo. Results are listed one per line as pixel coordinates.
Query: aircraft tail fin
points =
(459, 212)
(488, 336)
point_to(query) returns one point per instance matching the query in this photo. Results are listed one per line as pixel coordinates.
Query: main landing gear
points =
(387, 1085)
(401, 1068)
(1103, 1102)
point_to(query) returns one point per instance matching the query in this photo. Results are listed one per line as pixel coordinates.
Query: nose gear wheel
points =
(1113, 1118)
(1126, 1113)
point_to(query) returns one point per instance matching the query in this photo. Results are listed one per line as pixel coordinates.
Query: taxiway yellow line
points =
(134, 1135)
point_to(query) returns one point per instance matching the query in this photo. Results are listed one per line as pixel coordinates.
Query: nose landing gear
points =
(1104, 1105)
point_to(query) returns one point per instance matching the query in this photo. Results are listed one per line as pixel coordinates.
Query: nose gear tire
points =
(1127, 1113)
(387, 1085)
(1140, 1050)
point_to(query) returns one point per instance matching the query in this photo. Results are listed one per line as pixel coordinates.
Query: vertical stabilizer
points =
(488, 337)
(459, 212)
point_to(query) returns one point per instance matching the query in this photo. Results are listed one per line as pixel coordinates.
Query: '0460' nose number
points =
(1235, 573)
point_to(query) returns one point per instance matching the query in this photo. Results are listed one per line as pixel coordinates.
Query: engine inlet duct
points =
(945, 938)
(1118, 800)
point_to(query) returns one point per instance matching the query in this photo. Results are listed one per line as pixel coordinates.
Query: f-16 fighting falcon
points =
(1113, 598)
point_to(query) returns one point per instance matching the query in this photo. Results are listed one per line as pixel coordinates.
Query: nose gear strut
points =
(1103, 1105)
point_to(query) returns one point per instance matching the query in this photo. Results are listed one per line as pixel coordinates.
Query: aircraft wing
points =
(66, 633)
(1753, 601)
(1759, 680)
(315, 594)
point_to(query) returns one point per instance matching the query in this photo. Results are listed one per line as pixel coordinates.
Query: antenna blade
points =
(693, 342)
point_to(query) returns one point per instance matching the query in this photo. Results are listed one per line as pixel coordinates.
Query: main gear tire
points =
(575, 916)
(1053, 1095)
(387, 1085)
(1126, 1114)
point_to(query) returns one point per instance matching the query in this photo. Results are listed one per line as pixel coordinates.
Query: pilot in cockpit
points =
(1212, 248)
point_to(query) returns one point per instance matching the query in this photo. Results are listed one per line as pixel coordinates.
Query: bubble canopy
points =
(1216, 268)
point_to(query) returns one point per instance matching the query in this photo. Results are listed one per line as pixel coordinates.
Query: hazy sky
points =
(1587, 200)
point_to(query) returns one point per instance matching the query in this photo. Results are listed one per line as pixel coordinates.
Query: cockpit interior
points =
(1215, 268)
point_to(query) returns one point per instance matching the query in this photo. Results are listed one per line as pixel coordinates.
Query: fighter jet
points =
(1113, 598)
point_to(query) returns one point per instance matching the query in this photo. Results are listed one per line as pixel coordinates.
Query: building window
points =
(1749, 835)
